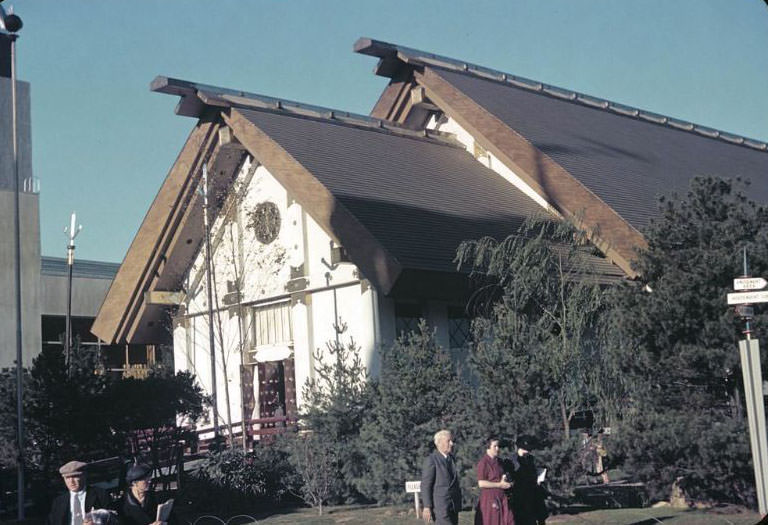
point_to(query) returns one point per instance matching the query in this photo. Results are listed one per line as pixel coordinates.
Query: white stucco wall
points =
(322, 292)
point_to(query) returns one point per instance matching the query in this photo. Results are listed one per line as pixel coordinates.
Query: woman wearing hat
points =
(139, 505)
(528, 496)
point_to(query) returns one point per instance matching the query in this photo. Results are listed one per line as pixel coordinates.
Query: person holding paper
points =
(528, 495)
(492, 509)
(70, 508)
(101, 517)
(139, 505)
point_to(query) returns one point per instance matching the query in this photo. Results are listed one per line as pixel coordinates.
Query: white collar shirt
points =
(76, 498)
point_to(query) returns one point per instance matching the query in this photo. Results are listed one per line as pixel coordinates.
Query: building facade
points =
(328, 226)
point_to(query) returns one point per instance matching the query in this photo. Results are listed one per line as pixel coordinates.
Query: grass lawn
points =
(404, 515)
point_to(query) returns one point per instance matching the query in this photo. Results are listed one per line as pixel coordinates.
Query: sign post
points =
(415, 487)
(749, 350)
(753, 394)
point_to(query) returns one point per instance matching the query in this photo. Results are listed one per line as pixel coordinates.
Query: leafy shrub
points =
(315, 459)
(235, 479)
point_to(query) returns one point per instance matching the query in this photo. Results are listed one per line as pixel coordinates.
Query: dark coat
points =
(440, 489)
(95, 498)
(133, 513)
(528, 497)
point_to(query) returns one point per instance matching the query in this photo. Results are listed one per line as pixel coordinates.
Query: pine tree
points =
(676, 342)
(335, 401)
(419, 391)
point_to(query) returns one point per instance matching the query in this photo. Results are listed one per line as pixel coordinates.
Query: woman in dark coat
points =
(139, 505)
(528, 496)
(492, 509)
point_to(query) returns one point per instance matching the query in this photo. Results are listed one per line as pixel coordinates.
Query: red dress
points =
(492, 509)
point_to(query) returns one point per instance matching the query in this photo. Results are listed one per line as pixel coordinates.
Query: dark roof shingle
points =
(626, 161)
(419, 198)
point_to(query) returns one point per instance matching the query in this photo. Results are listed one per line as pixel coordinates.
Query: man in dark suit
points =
(71, 507)
(440, 491)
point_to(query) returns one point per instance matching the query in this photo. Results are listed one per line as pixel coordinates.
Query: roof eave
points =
(613, 235)
(373, 260)
(166, 241)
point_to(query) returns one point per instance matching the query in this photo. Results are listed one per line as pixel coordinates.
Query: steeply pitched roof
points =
(584, 155)
(397, 200)
(418, 198)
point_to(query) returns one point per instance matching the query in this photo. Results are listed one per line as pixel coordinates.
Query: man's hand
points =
(426, 515)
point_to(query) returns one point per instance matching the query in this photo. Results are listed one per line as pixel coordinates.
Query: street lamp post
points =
(11, 23)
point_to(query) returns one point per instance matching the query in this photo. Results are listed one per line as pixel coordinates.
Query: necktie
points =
(77, 511)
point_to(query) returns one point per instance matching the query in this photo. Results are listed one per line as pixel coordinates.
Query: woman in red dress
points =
(492, 509)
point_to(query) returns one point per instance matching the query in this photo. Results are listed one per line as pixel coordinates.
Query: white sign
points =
(749, 283)
(413, 486)
(748, 297)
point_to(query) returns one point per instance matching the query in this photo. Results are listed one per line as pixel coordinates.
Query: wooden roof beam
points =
(614, 236)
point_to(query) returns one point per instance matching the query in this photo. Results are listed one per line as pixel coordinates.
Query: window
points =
(407, 317)
(459, 327)
(271, 325)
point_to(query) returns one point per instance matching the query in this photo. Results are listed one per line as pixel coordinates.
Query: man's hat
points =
(73, 468)
(138, 471)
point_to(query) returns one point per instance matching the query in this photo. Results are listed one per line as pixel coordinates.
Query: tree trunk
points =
(224, 369)
(566, 419)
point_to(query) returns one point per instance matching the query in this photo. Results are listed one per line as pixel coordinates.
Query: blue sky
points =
(103, 143)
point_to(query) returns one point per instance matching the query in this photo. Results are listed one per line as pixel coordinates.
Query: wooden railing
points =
(163, 449)
(262, 430)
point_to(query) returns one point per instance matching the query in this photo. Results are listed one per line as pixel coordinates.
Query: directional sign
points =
(749, 283)
(748, 297)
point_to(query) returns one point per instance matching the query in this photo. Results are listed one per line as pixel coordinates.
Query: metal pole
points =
(73, 230)
(17, 247)
(753, 393)
(749, 350)
(747, 330)
(68, 327)
(211, 335)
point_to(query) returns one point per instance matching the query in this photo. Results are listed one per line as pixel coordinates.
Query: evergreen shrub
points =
(240, 481)
(419, 391)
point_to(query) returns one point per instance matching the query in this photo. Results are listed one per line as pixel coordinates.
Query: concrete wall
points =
(6, 133)
(87, 295)
(30, 279)
(29, 227)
